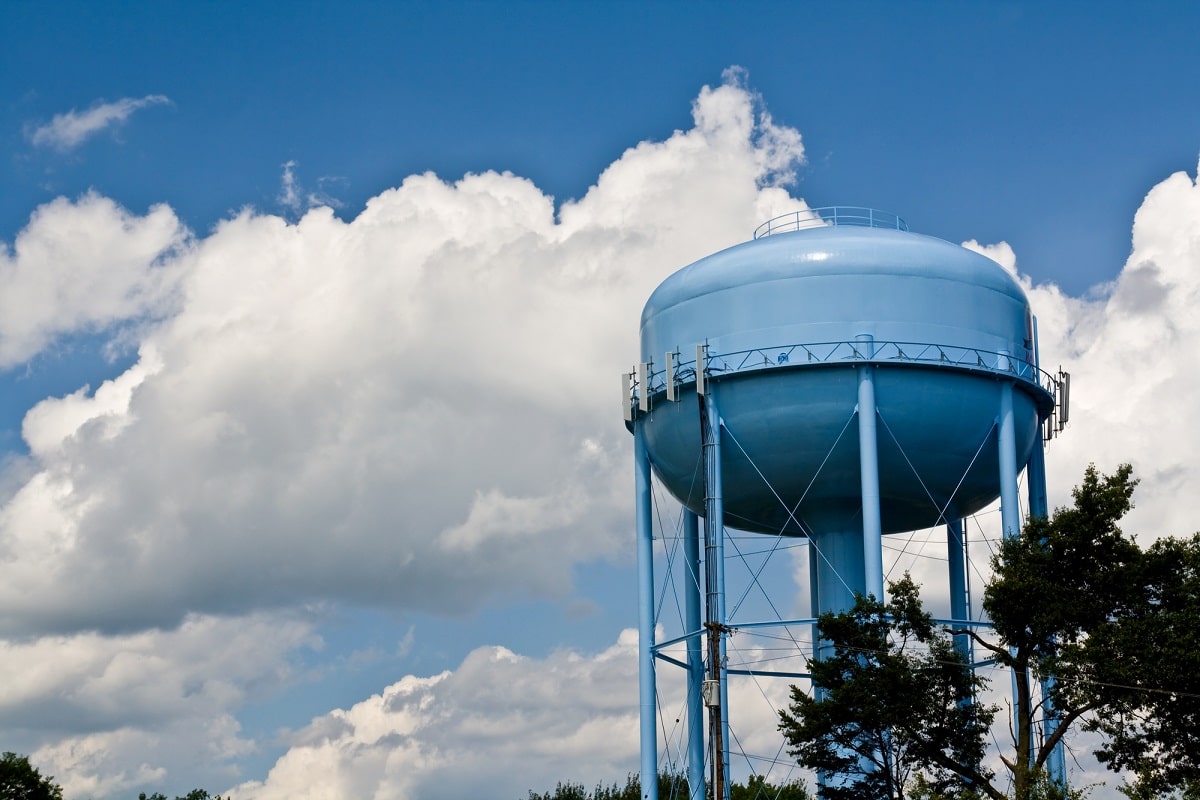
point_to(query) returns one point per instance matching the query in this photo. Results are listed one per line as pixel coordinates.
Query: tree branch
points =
(973, 776)
(1064, 724)
(997, 650)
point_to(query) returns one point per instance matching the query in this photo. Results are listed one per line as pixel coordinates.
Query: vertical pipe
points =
(645, 566)
(1039, 506)
(714, 560)
(1010, 514)
(958, 582)
(868, 464)
(695, 656)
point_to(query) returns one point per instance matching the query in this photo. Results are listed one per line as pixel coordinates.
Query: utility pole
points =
(712, 699)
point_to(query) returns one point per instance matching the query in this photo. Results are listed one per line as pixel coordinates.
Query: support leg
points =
(645, 565)
(695, 656)
(1010, 518)
(868, 464)
(1010, 514)
(1039, 506)
(958, 583)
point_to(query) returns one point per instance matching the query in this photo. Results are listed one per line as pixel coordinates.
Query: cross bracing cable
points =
(754, 762)
(671, 556)
(756, 574)
(670, 553)
(941, 509)
(790, 511)
(675, 735)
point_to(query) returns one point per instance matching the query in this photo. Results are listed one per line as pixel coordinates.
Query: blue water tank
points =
(786, 320)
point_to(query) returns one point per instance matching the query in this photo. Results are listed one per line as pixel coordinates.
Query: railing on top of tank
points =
(796, 355)
(830, 215)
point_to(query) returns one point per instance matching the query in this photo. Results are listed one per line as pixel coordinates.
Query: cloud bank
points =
(406, 409)
(1129, 346)
(417, 409)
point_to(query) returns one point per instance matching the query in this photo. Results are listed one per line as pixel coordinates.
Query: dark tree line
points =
(20, 780)
(1071, 597)
(674, 787)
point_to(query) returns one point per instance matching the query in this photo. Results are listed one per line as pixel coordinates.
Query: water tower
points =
(837, 378)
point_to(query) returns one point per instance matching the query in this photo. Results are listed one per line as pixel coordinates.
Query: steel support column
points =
(1010, 515)
(868, 465)
(645, 566)
(1039, 506)
(959, 610)
(693, 621)
(1010, 511)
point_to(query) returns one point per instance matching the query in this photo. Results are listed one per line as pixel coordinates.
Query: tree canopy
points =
(20, 780)
(894, 696)
(675, 786)
(1071, 598)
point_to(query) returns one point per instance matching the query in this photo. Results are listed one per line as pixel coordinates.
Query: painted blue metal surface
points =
(693, 622)
(868, 467)
(647, 683)
(1039, 506)
(850, 380)
(957, 571)
(782, 317)
(833, 283)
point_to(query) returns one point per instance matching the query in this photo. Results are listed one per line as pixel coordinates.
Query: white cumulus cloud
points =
(568, 715)
(84, 266)
(418, 409)
(409, 408)
(106, 713)
(1130, 347)
(501, 724)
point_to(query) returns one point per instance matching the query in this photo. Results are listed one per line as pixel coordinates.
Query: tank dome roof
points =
(831, 251)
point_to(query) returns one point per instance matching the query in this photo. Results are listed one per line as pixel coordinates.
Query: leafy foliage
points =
(1143, 669)
(20, 780)
(894, 697)
(757, 788)
(1061, 577)
(1115, 626)
(1071, 598)
(1054, 585)
(675, 786)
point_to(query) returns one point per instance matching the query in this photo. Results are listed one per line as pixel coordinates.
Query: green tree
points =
(1060, 580)
(674, 786)
(1071, 598)
(1143, 668)
(757, 788)
(20, 780)
(894, 699)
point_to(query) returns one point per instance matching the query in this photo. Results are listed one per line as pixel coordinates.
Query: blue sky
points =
(893, 100)
(360, 425)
